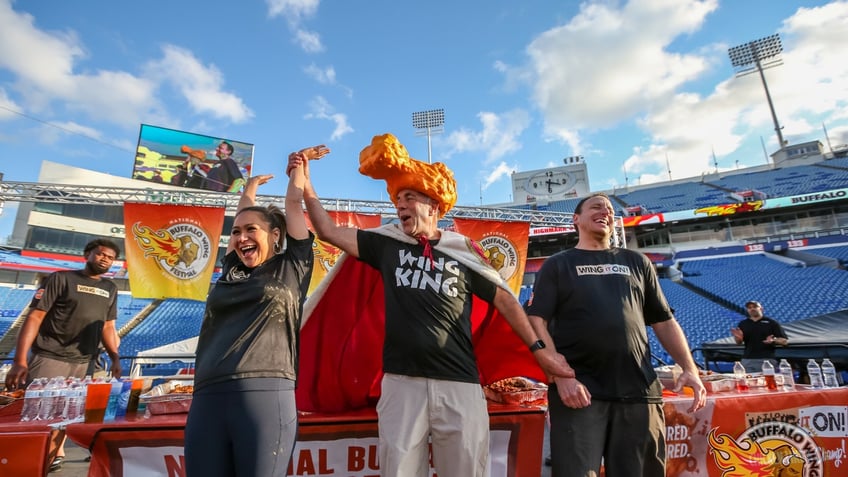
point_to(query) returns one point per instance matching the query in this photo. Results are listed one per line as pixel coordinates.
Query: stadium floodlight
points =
(429, 122)
(756, 56)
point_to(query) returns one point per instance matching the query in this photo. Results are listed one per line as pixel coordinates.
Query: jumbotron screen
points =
(180, 158)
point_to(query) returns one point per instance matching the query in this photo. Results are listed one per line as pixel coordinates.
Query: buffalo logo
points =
(770, 449)
(325, 254)
(501, 254)
(182, 250)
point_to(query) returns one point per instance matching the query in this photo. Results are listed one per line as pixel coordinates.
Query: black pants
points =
(245, 427)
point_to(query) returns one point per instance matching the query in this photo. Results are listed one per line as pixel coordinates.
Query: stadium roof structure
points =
(111, 195)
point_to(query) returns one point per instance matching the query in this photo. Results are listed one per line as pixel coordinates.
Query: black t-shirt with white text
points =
(75, 306)
(597, 304)
(428, 309)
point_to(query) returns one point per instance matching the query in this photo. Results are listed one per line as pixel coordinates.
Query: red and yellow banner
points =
(171, 249)
(504, 243)
(326, 254)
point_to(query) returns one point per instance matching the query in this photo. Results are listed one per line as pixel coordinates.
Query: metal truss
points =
(116, 196)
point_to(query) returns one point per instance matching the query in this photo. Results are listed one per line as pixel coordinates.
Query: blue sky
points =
(631, 86)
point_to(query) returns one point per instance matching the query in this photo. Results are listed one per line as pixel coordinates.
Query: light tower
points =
(758, 55)
(429, 122)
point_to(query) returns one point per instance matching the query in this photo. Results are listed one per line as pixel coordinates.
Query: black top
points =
(428, 309)
(76, 307)
(597, 304)
(251, 325)
(754, 332)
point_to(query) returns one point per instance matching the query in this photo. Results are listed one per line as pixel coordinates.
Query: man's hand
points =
(16, 377)
(737, 334)
(303, 156)
(115, 368)
(553, 363)
(692, 380)
(314, 152)
(573, 393)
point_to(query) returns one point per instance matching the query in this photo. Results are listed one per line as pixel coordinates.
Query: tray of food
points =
(172, 397)
(517, 390)
(8, 397)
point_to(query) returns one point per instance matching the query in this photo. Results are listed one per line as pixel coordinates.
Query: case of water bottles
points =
(51, 399)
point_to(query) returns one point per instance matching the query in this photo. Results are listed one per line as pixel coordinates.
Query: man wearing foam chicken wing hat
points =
(431, 384)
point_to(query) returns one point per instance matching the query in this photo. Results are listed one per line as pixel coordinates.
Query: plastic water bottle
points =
(814, 371)
(49, 398)
(32, 400)
(739, 376)
(768, 374)
(72, 406)
(788, 375)
(829, 374)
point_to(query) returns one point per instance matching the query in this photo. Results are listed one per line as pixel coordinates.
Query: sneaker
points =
(57, 463)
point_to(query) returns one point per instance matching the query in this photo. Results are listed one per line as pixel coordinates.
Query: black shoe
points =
(548, 461)
(57, 464)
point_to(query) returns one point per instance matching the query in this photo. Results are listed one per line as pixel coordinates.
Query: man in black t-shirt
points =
(430, 385)
(760, 334)
(71, 314)
(592, 303)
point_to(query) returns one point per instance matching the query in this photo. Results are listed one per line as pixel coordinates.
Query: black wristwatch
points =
(539, 344)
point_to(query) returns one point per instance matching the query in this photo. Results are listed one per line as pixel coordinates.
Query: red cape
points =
(341, 341)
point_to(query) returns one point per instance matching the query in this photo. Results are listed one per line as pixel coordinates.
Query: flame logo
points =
(730, 209)
(162, 245)
(325, 254)
(747, 458)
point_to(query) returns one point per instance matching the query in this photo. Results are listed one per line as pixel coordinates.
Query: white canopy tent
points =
(178, 351)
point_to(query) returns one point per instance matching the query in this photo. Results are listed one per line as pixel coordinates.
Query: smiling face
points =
(594, 222)
(253, 239)
(418, 213)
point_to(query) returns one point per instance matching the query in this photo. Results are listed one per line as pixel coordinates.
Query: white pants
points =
(454, 415)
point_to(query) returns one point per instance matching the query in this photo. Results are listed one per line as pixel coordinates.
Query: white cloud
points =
(46, 76)
(619, 59)
(295, 12)
(322, 109)
(322, 75)
(8, 108)
(200, 84)
(500, 171)
(497, 138)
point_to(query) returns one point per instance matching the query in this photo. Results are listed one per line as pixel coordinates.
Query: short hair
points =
(101, 242)
(579, 208)
(229, 147)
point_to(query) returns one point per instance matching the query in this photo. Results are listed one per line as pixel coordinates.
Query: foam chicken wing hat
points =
(386, 158)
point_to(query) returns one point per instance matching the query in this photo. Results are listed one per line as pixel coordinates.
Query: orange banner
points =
(504, 243)
(327, 254)
(171, 249)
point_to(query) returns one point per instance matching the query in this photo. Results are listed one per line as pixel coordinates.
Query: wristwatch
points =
(539, 344)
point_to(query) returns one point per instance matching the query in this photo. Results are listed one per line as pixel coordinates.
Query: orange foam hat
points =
(386, 158)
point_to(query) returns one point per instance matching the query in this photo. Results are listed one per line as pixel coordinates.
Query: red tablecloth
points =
(26, 448)
(341, 444)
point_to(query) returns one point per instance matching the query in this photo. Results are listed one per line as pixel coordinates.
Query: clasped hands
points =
(301, 157)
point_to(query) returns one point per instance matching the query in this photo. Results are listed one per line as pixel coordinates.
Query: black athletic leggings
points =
(245, 427)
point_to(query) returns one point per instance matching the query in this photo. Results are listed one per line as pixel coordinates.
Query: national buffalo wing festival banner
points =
(326, 254)
(171, 249)
(504, 244)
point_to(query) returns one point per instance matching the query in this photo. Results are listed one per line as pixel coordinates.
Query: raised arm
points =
(295, 219)
(325, 227)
